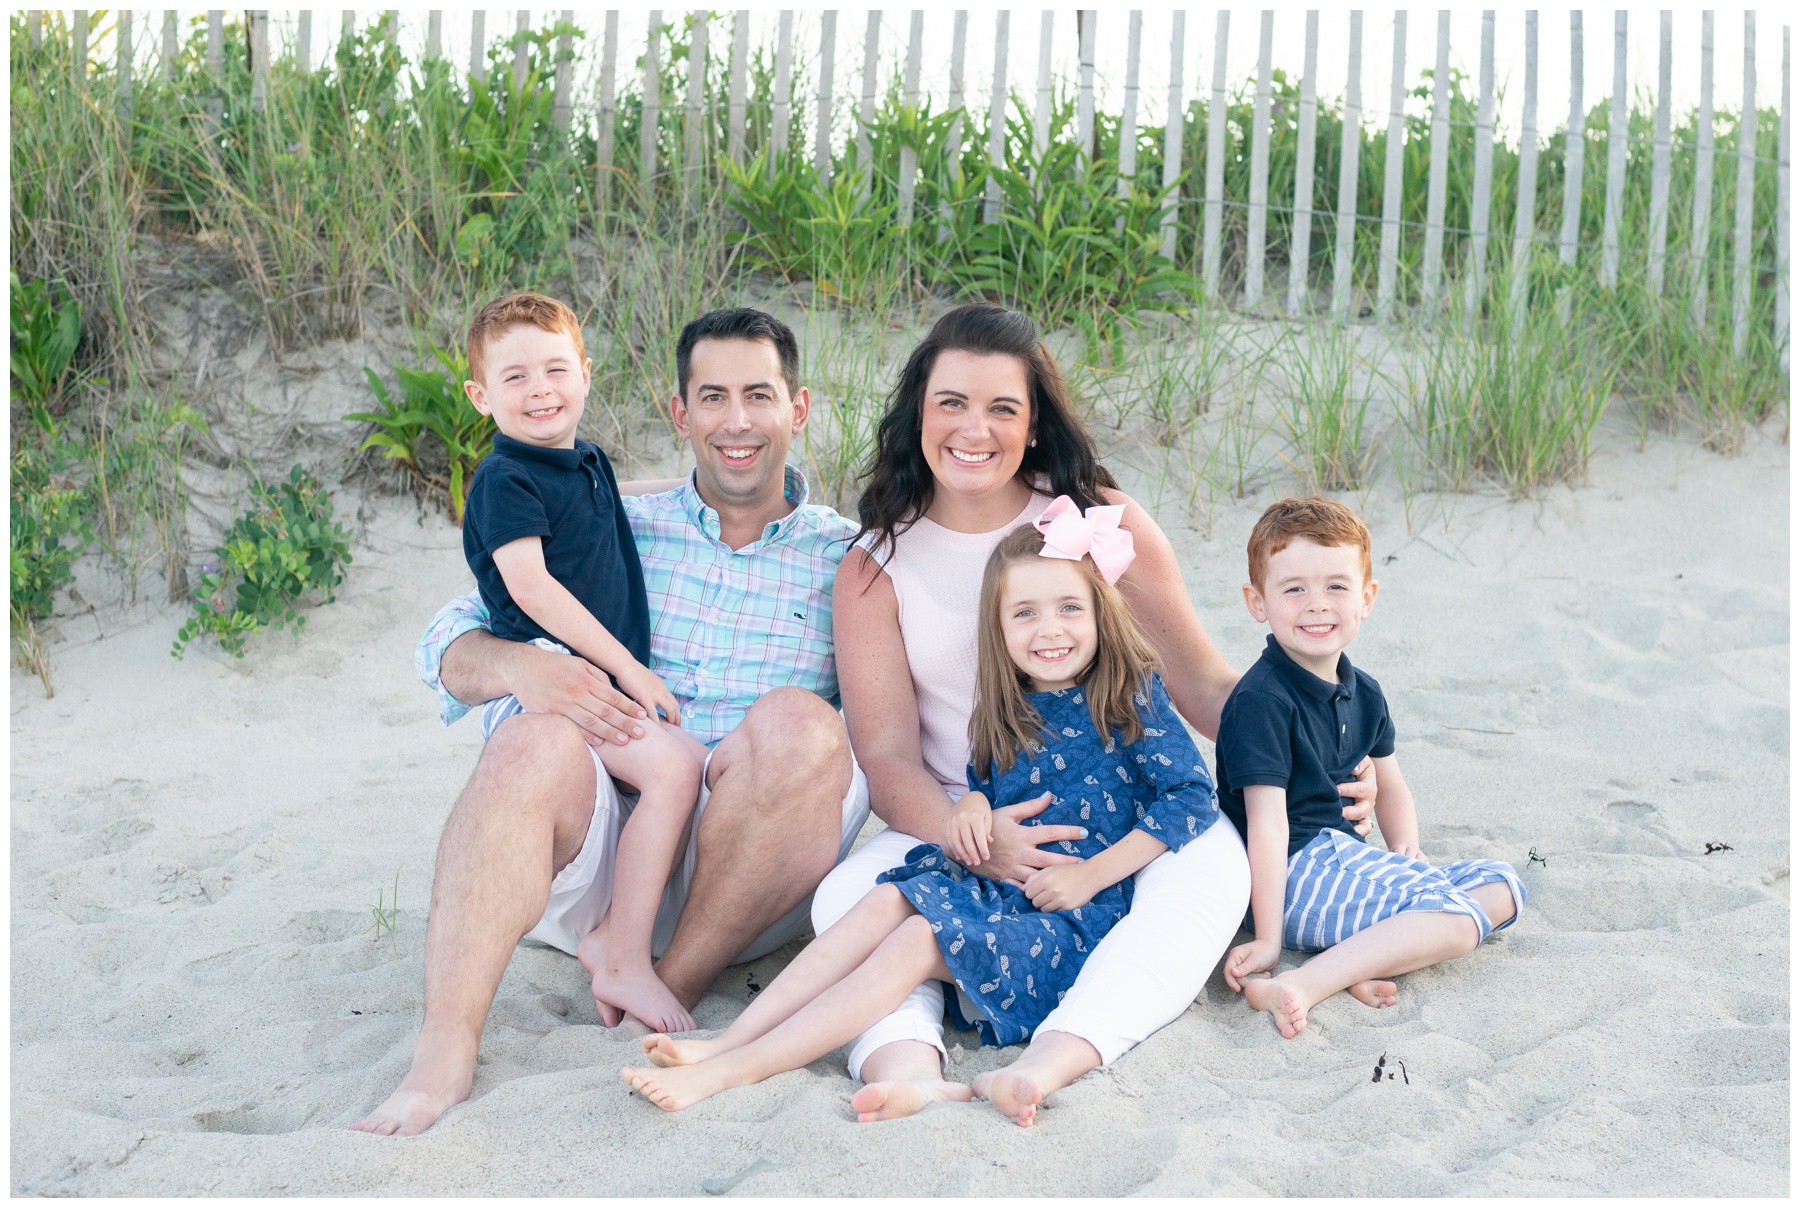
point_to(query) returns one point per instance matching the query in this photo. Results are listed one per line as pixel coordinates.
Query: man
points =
(738, 570)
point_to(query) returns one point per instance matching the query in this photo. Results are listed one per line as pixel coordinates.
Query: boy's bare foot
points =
(437, 1082)
(1374, 993)
(1016, 1095)
(1282, 1000)
(903, 1097)
(665, 1052)
(674, 1089)
(623, 989)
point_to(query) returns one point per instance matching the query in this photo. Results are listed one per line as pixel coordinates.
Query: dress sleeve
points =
(459, 616)
(1182, 802)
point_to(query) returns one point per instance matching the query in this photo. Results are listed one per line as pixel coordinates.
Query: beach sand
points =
(1593, 686)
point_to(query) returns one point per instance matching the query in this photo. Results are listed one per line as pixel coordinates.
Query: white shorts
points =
(582, 890)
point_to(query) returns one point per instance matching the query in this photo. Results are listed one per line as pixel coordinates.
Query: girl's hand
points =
(1062, 887)
(971, 828)
(1258, 956)
(642, 685)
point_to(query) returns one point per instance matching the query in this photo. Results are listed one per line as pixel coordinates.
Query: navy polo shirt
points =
(569, 498)
(1284, 726)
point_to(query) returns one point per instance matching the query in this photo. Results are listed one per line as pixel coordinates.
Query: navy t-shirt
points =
(569, 498)
(1284, 726)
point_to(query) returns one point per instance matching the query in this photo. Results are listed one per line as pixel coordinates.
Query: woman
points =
(978, 439)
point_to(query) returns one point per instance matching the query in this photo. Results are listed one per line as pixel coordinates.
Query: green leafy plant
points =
(384, 913)
(44, 335)
(432, 408)
(48, 528)
(284, 548)
(1324, 409)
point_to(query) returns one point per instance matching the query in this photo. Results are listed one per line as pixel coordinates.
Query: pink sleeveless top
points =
(936, 574)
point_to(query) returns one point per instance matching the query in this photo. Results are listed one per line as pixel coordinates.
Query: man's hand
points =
(1361, 792)
(1061, 887)
(569, 685)
(971, 827)
(646, 688)
(1258, 956)
(1013, 851)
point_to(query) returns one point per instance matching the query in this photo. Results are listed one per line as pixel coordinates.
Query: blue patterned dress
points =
(1012, 962)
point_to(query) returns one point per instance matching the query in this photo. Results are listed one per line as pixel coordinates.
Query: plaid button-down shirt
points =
(726, 626)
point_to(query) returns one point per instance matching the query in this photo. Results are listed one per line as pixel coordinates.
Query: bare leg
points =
(664, 768)
(769, 835)
(908, 955)
(821, 965)
(899, 1079)
(1053, 1060)
(523, 815)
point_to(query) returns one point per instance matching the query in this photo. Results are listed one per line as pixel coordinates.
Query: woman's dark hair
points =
(898, 480)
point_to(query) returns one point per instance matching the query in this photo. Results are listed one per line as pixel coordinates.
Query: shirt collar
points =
(568, 459)
(1305, 681)
(706, 519)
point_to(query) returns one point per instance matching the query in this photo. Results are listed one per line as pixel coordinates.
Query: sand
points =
(1593, 686)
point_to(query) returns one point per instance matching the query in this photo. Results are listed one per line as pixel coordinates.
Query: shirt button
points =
(689, 710)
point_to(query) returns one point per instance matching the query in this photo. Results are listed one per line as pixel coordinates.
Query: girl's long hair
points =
(1003, 723)
(898, 482)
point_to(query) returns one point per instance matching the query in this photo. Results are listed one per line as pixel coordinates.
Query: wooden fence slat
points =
(1616, 136)
(1259, 164)
(1172, 131)
(122, 66)
(1432, 263)
(1388, 269)
(865, 113)
(78, 60)
(1086, 21)
(909, 96)
(521, 55)
(477, 45)
(1040, 122)
(434, 34)
(1746, 194)
(37, 29)
(1659, 167)
(740, 67)
(1525, 216)
(603, 158)
(780, 110)
(259, 59)
(1782, 218)
(1215, 164)
(1344, 253)
(694, 118)
(990, 210)
(959, 44)
(1699, 249)
(1129, 113)
(347, 28)
(565, 73)
(1305, 148)
(171, 44)
(215, 61)
(1574, 149)
(1481, 199)
(827, 63)
(651, 111)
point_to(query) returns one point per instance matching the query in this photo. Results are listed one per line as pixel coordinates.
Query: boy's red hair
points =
(518, 310)
(1321, 521)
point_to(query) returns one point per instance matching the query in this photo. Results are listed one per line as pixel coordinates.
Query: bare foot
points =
(437, 1082)
(1374, 993)
(903, 1097)
(1281, 1000)
(1015, 1094)
(665, 1052)
(674, 1089)
(624, 988)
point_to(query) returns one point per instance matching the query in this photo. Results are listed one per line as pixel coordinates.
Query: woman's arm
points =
(1197, 675)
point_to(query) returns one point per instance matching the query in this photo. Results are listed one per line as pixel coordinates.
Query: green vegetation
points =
(433, 406)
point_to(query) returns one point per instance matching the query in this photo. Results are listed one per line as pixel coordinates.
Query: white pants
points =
(1186, 908)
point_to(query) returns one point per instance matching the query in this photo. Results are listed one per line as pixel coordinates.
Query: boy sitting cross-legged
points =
(1294, 727)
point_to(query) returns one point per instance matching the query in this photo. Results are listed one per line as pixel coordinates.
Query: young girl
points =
(1066, 702)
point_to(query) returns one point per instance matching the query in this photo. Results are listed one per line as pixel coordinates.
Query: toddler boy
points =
(1293, 728)
(552, 552)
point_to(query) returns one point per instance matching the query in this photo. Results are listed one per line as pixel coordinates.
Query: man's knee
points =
(798, 732)
(536, 761)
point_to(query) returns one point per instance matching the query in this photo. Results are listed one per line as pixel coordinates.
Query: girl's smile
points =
(1047, 619)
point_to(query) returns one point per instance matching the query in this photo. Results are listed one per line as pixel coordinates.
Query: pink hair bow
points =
(1070, 534)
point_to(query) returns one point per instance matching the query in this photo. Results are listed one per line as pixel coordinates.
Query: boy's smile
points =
(1313, 600)
(535, 386)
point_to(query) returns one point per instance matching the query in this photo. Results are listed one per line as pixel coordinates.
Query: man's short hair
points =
(738, 323)
(1321, 521)
(518, 310)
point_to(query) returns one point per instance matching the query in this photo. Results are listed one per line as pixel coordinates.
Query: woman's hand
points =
(1062, 887)
(1410, 849)
(1361, 792)
(1258, 956)
(971, 825)
(1013, 848)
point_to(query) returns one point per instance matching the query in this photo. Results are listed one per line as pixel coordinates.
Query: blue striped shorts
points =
(1337, 885)
(503, 707)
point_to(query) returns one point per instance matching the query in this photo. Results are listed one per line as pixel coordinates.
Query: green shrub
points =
(283, 548)
(432, 405)
(44, 335)
(48, 528)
